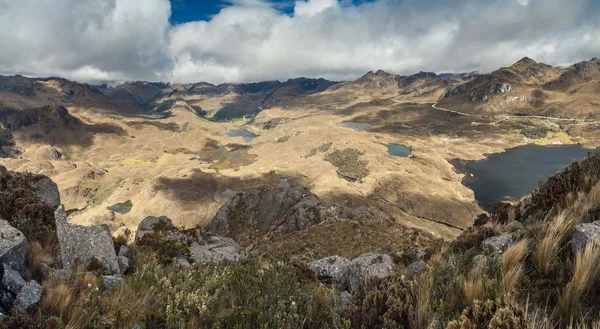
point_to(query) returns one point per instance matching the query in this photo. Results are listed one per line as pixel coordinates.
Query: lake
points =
(398, 150)
(513, 174)
(248, 136)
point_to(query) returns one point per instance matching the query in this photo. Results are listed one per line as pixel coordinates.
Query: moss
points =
(22, 208)
(349, 164)
(321, 149)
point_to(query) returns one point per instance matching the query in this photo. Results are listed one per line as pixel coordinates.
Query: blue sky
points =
(183, 11)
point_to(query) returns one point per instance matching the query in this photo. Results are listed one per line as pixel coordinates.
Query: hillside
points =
(533, 264)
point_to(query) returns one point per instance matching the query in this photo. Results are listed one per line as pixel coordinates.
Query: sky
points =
(183, 41)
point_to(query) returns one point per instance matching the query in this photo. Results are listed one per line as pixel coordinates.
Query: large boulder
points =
(330, 269)
(497, 244)
(47, 191)
(151, 223)
(217, 250)
(13, 246)
(3, 171)
(27, 299)
(109, 283)
(82, 244)
(7, 299)
(366, 266)
(583, 234)
(11, 279)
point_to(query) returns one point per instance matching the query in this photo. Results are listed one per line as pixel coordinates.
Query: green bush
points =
(348, 163)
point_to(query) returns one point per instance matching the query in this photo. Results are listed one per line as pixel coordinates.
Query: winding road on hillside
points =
(505, 117)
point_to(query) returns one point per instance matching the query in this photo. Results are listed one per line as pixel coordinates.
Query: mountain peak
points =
(526, 60)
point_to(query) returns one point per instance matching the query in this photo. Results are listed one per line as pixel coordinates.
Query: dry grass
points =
(585, 273)
(36, 256)
(512, 266)
(472, 286)
(550, 245)
(584, 203)
(78, 303)
(423, 300)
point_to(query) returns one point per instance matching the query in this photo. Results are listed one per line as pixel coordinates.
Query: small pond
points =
(515, 173)
(354, 125)
(398, 150)
(121, 208)
(248, 136)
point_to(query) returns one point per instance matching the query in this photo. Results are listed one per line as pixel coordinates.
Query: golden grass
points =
(512, 266)
(38, 255)
(472, 286)
(424, 286)
(585, 273)
(549, 246)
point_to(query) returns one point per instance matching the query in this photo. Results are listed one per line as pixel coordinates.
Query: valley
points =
(170, 160)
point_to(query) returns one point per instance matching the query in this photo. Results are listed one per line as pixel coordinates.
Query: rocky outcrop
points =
(47, 191)
(83, 244)
(329, 269)
(11, 279)
(415, 268)
(366, 266)
(151, 223)
(484, 94)
(498, 244)
(217, 250)
(27, 299)
(13, 246)
(109, 283)
(291, 208)
(583, 234)
(287, 209)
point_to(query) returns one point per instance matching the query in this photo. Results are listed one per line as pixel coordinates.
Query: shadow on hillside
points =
(160, 125)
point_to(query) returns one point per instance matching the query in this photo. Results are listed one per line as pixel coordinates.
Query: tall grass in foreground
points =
(550, 245)
(585, 273)
(472, 286)
(512, 266)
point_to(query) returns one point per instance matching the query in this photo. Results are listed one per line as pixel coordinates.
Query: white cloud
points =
(251, 40)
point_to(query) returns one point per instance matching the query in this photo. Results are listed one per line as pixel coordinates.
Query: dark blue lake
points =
(513, 174)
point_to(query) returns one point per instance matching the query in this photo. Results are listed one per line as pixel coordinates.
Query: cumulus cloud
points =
(252, 40)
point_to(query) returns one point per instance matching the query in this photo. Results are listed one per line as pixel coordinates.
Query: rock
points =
(13, 246)
(345, 297)
(11, 279)
(366, 266)
(63, 274)
(515, 226)
(123, 264)
(109, 283)
(27, 299)
(498, 244)
(82, 244)
(583, 234)
(3, 171)
(479, 261)
(329, 269)
(7, 299)
(47, 191)
(148, 224)
(122, 231)
(417, 253)
(125, 251)
(415, 268)
(53, 154)
(181, 262)
(217, 250)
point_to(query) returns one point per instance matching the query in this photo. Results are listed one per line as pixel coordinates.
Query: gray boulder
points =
(148, 224)
(109, 283)
(181, 262)
(13, 246)
(124, 265)
(47, 191)
(415, 268)
(329, 269)
(82, 244)
(217, 250)
(498, 244)
(11, 279)
(126, 252)
(366, 266)
(27, 298)
(53, 154)
(583, 234)
(3, 171)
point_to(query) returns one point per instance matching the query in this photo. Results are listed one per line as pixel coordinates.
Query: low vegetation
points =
(348, 163)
